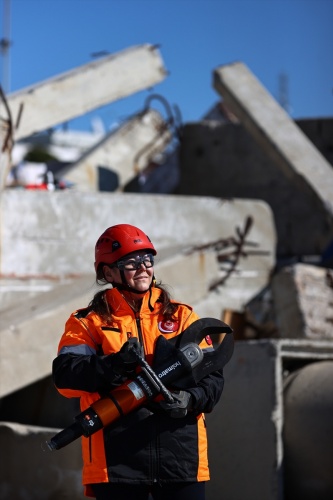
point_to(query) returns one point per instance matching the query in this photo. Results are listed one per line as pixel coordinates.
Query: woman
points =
(161, 448)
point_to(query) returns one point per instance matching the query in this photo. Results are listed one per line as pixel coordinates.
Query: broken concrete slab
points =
(235, 292)
(279, 136)
(187, 260)
(30, 332)
(303, 301)
(14, 291)
(85, 88)
(188, 277)
(117, 151)
(55, 233)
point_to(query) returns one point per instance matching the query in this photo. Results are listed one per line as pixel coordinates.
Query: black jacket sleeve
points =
(208, 392)
(90, 373)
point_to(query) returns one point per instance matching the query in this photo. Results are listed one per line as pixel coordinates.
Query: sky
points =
(278, 40)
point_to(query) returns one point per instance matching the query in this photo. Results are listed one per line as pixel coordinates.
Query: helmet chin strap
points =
(128, 288)
(125, 286)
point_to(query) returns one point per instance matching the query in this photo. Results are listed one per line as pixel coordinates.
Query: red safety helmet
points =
(118, 241)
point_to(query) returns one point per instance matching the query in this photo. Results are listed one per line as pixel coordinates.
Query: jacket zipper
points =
(90, 449)
(154, 447)
(138, 325)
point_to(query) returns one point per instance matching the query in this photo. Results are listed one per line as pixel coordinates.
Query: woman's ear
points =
(108, 274)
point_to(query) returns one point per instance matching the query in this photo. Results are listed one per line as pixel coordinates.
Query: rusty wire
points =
(237, 251)
(7, 125)
(170, 123)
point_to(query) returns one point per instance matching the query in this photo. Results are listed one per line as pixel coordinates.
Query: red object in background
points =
(42, 187)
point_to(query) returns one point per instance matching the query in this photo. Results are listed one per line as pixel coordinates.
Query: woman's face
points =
(140, 279)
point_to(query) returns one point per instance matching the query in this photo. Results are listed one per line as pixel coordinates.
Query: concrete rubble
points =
(279, 136)
(246, 431)
(115, 154)
(47, 248)
(19, 479)
(85, 88)
(303, 301)
(233, 244)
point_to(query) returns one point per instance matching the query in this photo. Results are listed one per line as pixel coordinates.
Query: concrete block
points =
(14, 291)
(278, 135)
(246, 428)
(308, 432)
(53, 234)
(30, 333)
(281, 138)
(188, 276)
(303, 302)
(28, 470)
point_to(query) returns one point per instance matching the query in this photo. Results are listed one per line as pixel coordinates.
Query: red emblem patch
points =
(168, 326)
(208, 340)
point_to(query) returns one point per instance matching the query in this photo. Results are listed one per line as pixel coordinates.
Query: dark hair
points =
(100, 277)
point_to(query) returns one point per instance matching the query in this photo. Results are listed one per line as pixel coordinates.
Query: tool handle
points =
(150, 372)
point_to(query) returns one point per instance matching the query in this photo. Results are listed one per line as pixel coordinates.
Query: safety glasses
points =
(135, 263)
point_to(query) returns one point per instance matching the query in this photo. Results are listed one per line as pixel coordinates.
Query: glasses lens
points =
(135, 263)
(148, 260)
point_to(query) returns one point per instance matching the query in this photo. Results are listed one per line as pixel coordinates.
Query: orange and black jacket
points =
(143, 447)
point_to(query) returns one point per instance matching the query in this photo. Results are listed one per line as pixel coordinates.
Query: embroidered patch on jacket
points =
(168, 326)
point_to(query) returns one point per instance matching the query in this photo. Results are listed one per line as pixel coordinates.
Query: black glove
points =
(182, 404)
(125, 361)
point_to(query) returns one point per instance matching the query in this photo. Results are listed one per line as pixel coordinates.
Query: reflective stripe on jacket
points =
(144, 446)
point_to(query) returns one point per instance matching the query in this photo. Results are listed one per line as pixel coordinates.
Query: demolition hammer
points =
(179, 362)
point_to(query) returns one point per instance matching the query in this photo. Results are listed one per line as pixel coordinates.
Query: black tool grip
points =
(65, 437)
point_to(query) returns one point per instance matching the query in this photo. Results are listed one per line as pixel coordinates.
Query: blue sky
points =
(272, 37)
